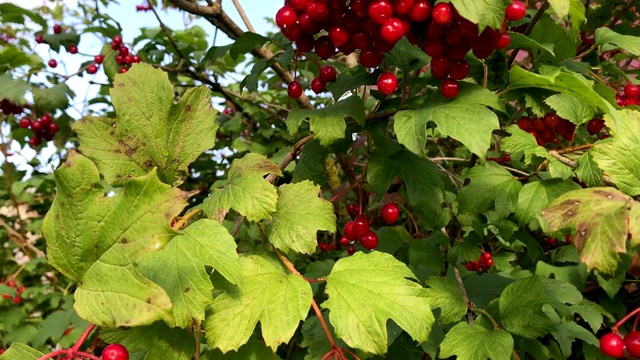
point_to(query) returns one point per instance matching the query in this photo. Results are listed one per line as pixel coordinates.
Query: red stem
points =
(69, 352)
(83, 337)
(624, 319)
(635, 323)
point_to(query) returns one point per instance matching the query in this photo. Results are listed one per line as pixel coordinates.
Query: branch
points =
(243, 16)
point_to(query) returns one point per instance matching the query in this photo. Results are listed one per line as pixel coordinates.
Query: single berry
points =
(361, 224)
(420, 11)
(117, 39)
(45, 120)
(323, 247)
(632, 343)
(328, 74)
(380, 11)
(594, 126)
(36, 126)
(552, 120)
(73, 49)
(344, 241)
(371, 58)
(123, 70)
(39, 39)
(390, 213)
(353, 210)
(449, 88)
(92, 69)
(350, 232)
(25, 123)
(123, 51)
(502, 41)
(57, 29)
(369, 240)
(631, 90)
(294, 90)
(35, 141)
(486, 256)
(402, 7)
(612, 345)
(339, 35)
(54, 128)
(387, 83)
(441, 13)
(136, 59)
(392, 30)
(459, 69)
(488, 263)
(52, 63)
(115, 352)
(351, 250)
(98, 59)
(317, 85)
(119, 59)
(515, 11)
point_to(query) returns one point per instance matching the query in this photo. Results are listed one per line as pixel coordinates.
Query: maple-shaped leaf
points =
(299, 215)
(366, 290)
(617, 157)
(521, 310)
(445, 294)
(155, 341)
(475, 342)
(95, 240)
(536, 196)
(268, 294)
(179, 268)
(18, 351)
(246, 190)
(150, 130)
(599, 217)
(490, 183)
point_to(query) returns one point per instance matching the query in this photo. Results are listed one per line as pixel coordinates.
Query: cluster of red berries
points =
(500, 160)
(359, 229)
(629, 96)
(43, 128)
(554, 241)
(71, 49)
(374, 27)
(545, 129)
(141, 7)
(124, 57)
(17, 299)
(614, 345)
(8, 107)
(115, 352)
(484, 262)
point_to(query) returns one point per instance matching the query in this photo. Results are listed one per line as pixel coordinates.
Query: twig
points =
(196, 330)
(465, 297)
(571, 163)
(243, 16)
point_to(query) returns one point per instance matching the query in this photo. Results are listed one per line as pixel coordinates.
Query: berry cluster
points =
(545, 129)
(360, 228)
(554, 241)
(629, 96)
(115, 352)
(614, 345)
(43, 128)
(500, 160)
(8, 107)
(19, 290)
(124, 57)
(484, 262)
(374, 27)
(57, 29)
(142, 7)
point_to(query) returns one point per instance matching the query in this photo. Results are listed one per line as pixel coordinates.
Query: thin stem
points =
(343, 191)
(83, 337)
(196, 331)
(575, 148)
(243, 16)
(465, 297)
(496, 326)
(70, 354)
(624, 319)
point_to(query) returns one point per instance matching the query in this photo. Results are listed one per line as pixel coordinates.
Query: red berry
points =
(317, 85)
(45, 120)
(632, 343)
(380, 11)
(116, 39)
(286, 16)
(353, 210)
(6, 296)
(339, 35)
(115, 352)
(123, 70)
(136, 59)
(486, 256)
(128, 59)
(299, 5)
(361, 224)
(350, 232)
(594, 126)
(54, 128)
(36, 126)
(351, 250)
(459, 69)
(11, 284)
(470, 266)
(53, 63)
(390, 213)
(319, 11)
(631, 90)
(402, 7)
(25, 123)
(98, 59)
(487, 263)
(369, 240)
(73, 49)
(21, 289)
(92, 69)
(39, 39)
(502, 41)
(371, 58)
(392, 30)
(612, 345)
(35, 141)
(515, 11)
(324, 247)
(57, 29)
(328, 73)
(449, 88)
(344, 241)
(441, 13)
(552, 120)
(420, 11)
(324, 47)
(17, 300)
(538, 125)
(123, 51)
(387, 83)
(120, 60)
(294, 90)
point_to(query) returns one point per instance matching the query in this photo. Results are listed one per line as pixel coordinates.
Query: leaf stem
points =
(70, 354)
(476, 310)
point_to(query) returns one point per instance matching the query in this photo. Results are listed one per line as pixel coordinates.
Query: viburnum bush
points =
(397, 179)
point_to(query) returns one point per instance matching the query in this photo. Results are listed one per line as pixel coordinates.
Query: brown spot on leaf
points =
(148, 164)
(187, 107)
(187, 289)
(124, 241)
(128, 150)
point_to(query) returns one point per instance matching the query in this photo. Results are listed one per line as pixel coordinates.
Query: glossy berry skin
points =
(39, 39)
(328, 74)
(349, 231)
(449, 88)
(369, 240)
(57, 29)
(344, 241)
(123, 70)
(632, 343)
(294, 90)
(380, 11)
(72, 49)
(420, 11)
(441, 14)
(390, 213)
(25, 123)
(54, 128)
(52, 63)
(594, 126)
(353, 210)
(115, 352)
(361, 224)
(387, 83)
(515, 11)
(317, 85)
(351, 250)
(92, 69)
(631, 90)
(98, 59)
(612, 345)
(392, 30)
(286, 16)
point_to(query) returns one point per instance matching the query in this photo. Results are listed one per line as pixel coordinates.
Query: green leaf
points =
(311, 165)
(11, 13)
(568, 332)
(548, 31)
(465, 118)
(95, 240)
(628, 43)
(406, 57)
(521, 308)
(253, 350)
(571, 108)
(299, 215)
(151, 130)
(328, 124)
(314, 338)
(246, 42)
(157, 341)
(560, 7)
(618, 156)
(179, 268)
(490, 183)
(246, 190)
(520, 140)
(445, 294)
(599, 216)
(12, 90)
(52, 98)
(588, 171)
(268, 294)
(474, 342)
(522, 41)
(484, 13)
(12, 57)
(365, 290)
(18, 351)
(536, 196)
(351, 79)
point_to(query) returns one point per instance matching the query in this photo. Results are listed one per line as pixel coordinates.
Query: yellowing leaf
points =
(445, 294)
(366, 290)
